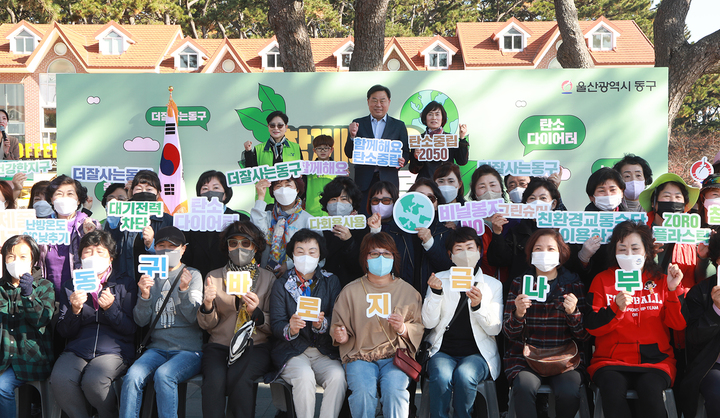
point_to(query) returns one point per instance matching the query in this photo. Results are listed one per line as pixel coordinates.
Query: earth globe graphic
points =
(414, 105)
(413, 210)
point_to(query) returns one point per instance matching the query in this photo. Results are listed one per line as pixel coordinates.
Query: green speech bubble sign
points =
(551, 132)
(604, 162)
(189, 116)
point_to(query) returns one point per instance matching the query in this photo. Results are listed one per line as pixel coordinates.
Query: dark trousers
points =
(614, 384)
(710, 389)
(236, 381)
(565, 386)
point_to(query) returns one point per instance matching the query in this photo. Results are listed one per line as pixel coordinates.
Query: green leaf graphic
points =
(270, 100)
(253, 119)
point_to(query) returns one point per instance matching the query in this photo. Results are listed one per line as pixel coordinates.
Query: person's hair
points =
(110, 190)
(625, 229)
(305, 235)
(600, 177)
(80, 190)
(276, 114)
(220, 176)
(429, 108)
(379, 240)
(335, 189)
(423, 181)
(714, 248)
(299, 185)
(98, 237)
(36, 189)
(321, 140)
(379, 187)
(146, 177)
(481, 171)
(7, 115)
(538, 182)
(20, 239)
(376, 88)
(635, 160)
(660, 187)
(243, 228)
(562, 246)
(8, 196)
(463, 234)
(444, 170)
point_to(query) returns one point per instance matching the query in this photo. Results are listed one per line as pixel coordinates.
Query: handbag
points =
(241, 341)
(552, 361)
(402, 359)
(142, 347)
(423, 352)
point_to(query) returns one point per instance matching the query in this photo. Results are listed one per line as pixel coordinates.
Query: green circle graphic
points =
(413, 210)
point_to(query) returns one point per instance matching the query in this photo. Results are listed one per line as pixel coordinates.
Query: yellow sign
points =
(308, 308)
(238, 282)
(379, 304)
(461, 278)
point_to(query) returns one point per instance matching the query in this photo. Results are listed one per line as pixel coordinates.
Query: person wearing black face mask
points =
(202, 250)
(670, 194)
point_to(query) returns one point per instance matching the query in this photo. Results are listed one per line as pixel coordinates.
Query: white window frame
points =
(346, 53)
(25, 37)
(514, 36)
(48, 81)
(605, 38)
(113, 43)
(436, 53)
(188, 52)
(275, 53)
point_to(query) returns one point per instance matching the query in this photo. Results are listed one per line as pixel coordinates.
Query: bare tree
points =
(686, 62)
(573, 52)
(369, 32)
(287, 18)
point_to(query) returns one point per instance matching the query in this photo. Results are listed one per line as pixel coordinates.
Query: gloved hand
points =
(589, 248)
(26, 281)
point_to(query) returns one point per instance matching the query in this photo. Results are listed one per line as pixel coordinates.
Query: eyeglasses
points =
(279, 125)
(384, 201)
(323, 149)
(376, 254)
(234, 243)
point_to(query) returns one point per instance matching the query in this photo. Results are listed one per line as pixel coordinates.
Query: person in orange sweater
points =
(632, 330)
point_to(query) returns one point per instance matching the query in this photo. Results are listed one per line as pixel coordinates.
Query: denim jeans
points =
(8, 383)
(168, 368)
(362, 378)
(459, 373)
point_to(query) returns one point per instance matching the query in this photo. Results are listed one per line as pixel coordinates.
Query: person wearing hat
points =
(223, 314)
(175, 350)
(670, 194)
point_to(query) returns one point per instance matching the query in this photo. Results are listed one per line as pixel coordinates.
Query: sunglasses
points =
(234, 243)
(279, 125)
(384, 201)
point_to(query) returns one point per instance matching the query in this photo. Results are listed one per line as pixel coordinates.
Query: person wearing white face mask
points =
(709, 196)
(304, 353)
(637, 175)
(66, 195)
(280, 223)
(174, 353)
(516, 186)
(342, 197)
(632, 329)
(554, 322)
(27, 302)
(463, 324)
(100, 330)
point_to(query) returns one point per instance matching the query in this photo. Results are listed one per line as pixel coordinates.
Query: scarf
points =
(279, 233)
(240, 305)
(436, 131)
(103, 278)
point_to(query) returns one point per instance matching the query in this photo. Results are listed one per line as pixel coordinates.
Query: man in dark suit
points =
(377, 125)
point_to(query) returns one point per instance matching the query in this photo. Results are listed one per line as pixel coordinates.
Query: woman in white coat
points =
(463, 327)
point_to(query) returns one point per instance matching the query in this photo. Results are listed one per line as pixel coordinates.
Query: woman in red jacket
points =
(632, 348)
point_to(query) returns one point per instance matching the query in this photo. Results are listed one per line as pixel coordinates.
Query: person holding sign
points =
(637, 175)
(202, 251)
(377, 125)
(342, 197)
(374, 317)
(709, 196)
(670, 194)
(301, 306)
(27, 302)
(280, 223)
(174, 353)
(276, 149)
(222, 314)
(115, 191)
(463, 326)
(100, 330)
(632, 330)
(449, 180)
(323, 149)
(434, 117)
(548, 316)
(702, 313)
(67, 197)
